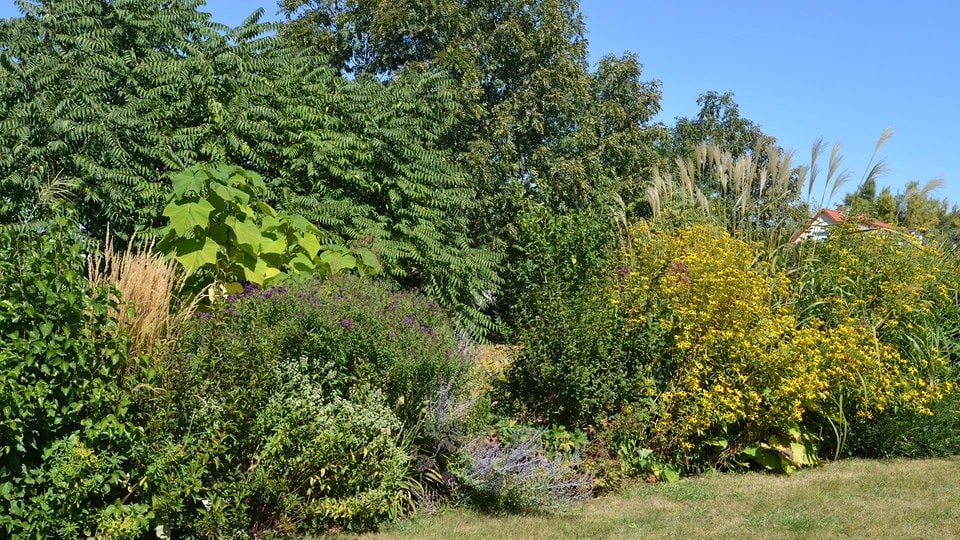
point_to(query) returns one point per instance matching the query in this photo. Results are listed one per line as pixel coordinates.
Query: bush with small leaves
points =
(292, 408)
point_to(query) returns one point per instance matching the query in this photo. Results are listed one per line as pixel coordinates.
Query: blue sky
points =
(839, 70)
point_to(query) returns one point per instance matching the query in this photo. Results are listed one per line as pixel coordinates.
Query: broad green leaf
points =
(266, 209)
(337, 261)
(299, 223)
(186, 181)
(184, 217)
(669, 474)
(309, 244)
(301, 263)
(230, 194)
(370, 261)
(233, 287)
(274, 246)
(260, 272)
(269, 222)
(247, 234)
(194, 253)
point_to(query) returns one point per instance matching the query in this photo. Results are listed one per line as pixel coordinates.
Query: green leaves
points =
(220, 230)
(67, 432)
(196, 253)
(185, 216)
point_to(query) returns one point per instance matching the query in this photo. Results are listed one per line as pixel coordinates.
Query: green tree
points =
(534, 128)
(917, 209)
(719, 123)
(863, 201)
(885, 206)
(114, 97)
(89, 92)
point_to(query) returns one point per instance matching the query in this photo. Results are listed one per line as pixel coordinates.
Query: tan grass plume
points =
(150, 289)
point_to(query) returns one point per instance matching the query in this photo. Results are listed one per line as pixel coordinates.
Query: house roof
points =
(828, 217)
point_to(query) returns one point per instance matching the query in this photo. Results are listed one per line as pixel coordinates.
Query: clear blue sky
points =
(839, 70)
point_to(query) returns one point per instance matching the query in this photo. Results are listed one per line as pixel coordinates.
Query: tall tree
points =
(719, 123)
(531, 108)
(111, 97)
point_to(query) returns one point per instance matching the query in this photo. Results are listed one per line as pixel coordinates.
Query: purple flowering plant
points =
(373, 334)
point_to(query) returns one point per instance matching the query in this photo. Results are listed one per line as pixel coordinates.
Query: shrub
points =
(904, 432)
(67, 425)
(880, 290)
(567, 331)
(289, 409)
(694, 351)
(326, 462)
(735, 367)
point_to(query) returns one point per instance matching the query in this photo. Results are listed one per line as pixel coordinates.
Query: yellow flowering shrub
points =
(718, 328)
(887, 290)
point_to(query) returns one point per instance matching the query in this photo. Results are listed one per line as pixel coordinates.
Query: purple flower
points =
(446, 353)
(408, 319)
(346, 323)
(392, 335)
(428, 330)
(200, 338)
(393, 305)
(231, 298)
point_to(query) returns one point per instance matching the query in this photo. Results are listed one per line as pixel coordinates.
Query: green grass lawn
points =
(847, 499)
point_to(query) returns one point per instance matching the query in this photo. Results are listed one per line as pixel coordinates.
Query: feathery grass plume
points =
(150, 305)
(815, 151)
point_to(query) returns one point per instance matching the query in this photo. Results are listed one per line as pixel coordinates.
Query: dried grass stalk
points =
(151, 303)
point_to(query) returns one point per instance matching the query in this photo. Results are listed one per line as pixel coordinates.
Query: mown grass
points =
(847, 499)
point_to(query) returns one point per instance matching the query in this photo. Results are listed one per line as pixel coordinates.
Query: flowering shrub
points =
(890, 294)
(732, 366)
(293, 407)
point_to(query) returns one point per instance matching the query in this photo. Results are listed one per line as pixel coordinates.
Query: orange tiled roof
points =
(839, 216)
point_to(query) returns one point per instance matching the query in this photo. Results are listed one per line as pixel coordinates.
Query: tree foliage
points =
(114, 97)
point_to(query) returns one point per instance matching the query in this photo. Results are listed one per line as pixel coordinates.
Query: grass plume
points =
(150, 292)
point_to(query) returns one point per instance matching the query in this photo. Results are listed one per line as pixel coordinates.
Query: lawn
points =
(846, 499)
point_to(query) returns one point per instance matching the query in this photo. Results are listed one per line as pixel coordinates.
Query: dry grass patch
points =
(847, 499)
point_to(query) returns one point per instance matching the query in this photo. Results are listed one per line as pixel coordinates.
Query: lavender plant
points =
(520, 476)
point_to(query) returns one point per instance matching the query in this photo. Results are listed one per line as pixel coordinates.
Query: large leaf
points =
(259, 272)
(186, 181)
(302, 263)
(194, 253)
(310, 245)
(247, 234)
(230, 194)
(273, 246)
(337, 261)
(185, 216)
(371, 265)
